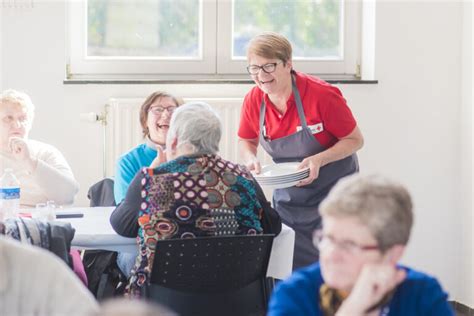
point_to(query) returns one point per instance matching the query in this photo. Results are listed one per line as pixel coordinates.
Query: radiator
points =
(123, 130)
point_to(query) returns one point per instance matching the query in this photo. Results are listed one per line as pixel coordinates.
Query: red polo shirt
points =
(326, 111)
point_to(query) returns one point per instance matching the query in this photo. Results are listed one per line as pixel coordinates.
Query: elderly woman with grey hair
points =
(195, 193)
(366, 226)
(41, 169)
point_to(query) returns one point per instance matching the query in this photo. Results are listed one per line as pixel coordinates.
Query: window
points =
(207, 38)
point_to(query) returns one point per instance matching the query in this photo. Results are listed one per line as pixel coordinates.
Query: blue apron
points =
(298, 206)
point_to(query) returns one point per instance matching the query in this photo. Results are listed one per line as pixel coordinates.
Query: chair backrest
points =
(100, 265)
(102, 193)
(208, 275)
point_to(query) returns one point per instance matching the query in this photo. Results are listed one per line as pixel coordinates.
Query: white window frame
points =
(81, 65)
(350, 51)
(216, 53)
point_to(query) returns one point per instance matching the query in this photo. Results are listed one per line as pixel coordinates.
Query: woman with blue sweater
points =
(155, 115)
(366, 226)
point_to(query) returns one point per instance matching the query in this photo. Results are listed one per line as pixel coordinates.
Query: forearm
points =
(58, 185)
(248, 148)
(124, 218)
(348, 309)
(343, 148)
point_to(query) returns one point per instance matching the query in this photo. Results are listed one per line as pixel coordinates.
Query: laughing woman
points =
(155, 114)
(296, 117)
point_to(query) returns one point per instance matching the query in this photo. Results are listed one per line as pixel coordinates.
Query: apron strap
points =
(262, 118)
(299, 104)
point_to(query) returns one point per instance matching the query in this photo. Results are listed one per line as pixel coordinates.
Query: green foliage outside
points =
(143, 28)
(311, 26)
(165, 28)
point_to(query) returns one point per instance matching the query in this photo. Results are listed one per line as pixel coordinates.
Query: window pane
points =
(144, 28)
(314, 27)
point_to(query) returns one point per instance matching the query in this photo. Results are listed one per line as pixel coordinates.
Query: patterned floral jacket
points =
(192, 196)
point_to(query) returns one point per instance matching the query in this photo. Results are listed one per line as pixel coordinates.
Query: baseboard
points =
(462, 309)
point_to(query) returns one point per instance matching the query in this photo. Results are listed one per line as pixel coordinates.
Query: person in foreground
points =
(195, 193)
(155, 114)
(125, 307)
(367, 221)
(48, 287)
(41, 169)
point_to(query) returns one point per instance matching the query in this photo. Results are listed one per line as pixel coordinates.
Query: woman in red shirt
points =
(297, 117)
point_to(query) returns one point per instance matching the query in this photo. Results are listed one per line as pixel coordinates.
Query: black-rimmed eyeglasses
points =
(158, 110)
(268, 68)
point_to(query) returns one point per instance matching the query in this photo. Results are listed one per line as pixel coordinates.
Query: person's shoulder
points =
(132, 154)
(312, 272)
(297, 294)
(41, 146)
(43, 150)
(312, 80)
(254, 95)
(235, 168)
(170, 169)
(137, 150)
(318, 86)
(424, 283)
(415, 277)
(304, 278)
(424, 291)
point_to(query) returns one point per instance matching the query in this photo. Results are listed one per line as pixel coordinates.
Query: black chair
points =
(212, 275)
(105, 278)
(101, 193)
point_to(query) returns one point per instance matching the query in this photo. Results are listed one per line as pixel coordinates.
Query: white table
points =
(93, 231)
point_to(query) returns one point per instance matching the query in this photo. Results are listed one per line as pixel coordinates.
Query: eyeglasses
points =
(324, 242)
(268, 68)
(158, 110)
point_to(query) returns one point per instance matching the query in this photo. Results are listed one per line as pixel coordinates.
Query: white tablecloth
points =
(93, 231)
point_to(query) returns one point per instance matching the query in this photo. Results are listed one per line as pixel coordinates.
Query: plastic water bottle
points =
(9, 195)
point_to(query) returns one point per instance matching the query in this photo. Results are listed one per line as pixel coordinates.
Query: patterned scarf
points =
(330, 300)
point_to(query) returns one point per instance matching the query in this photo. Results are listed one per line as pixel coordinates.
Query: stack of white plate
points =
(281, 175)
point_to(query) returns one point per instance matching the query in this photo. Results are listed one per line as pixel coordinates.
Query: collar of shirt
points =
(151, 144)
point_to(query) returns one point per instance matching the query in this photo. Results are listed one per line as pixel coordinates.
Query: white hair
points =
(380, 203)
(20, 98)
(197, 125)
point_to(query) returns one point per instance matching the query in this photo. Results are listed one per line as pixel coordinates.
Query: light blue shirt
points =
(129, 164)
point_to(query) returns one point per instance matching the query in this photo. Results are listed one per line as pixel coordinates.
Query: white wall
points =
(411, 120)
(466, 191)
(1, 49)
